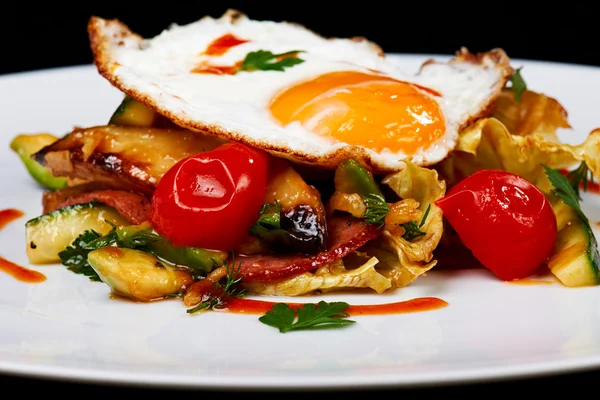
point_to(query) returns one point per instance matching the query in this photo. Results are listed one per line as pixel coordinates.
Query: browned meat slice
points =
(345, 236)
(51, 200)
(131, 158)
(132, 206)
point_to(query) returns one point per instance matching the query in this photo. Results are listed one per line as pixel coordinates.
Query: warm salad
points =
(192, 199)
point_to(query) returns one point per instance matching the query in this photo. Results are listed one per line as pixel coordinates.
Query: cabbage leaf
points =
(387, 262)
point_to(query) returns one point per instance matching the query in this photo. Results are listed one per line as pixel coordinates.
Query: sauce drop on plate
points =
(9, 215)
(251, 306)
(21, 273)
(529, 282)
(206, 289)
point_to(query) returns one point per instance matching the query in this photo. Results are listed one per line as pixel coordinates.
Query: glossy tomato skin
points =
(211, 199)
(504, 220)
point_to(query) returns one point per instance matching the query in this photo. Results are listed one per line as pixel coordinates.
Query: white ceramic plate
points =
(68, 327)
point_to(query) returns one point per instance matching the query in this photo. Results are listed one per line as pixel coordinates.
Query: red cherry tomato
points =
(211, 199)
(504, 220)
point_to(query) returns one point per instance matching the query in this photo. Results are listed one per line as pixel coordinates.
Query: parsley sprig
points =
(580, 177)
(413, 230)
(563, 188)
(518, 84)
(308, 316)
(263, 60)
(74, 257)
(229, 289)
(377, 209)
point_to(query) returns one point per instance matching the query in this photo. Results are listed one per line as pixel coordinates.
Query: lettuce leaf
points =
(334, 276)
(387, 262)
(590, 152)
(535, 114)
(488, 144)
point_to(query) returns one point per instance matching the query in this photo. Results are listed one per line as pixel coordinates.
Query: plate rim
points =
(423, 56)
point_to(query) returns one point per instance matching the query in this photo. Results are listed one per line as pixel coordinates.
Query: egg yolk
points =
(361, 109)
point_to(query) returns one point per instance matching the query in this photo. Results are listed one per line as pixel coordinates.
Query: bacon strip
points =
(51, 200)
(132, 206)
(345, 235)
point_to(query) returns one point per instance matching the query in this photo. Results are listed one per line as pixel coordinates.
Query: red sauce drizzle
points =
(593, 187)
(222, 44)
(530, 282)
(9, 215)
(205, 289)
(206, 68)
(21, 273)
(251, 306)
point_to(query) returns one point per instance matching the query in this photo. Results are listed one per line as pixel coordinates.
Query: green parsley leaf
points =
(377, 209)
(229, 289)
(413, 230)
(136, 239)
(518, 84)
(310, 316)
(564, 190)
(74, 257)
(580, 177)
(233, 278)
(262, 60)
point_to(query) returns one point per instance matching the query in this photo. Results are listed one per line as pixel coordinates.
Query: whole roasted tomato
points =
(504, 220)
(211, 199)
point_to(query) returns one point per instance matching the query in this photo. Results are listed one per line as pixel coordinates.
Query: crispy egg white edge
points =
(166, 86)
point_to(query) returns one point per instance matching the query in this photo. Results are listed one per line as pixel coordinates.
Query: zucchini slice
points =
(25, 145)
(51, 233)
(137, 275)
(576, 261)
(133, 113)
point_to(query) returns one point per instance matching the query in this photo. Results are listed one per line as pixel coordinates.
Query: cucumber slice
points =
(25, 146)
(51, 233)
(133, 113)
(137, 275)
(201, 260)
(576, 261)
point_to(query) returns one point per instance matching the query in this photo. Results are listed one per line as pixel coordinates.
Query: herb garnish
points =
(228, 289)
(74, 257)
(377, 209)
(580, 177)
(263, 60)
(413, 230)
(309, 316)
(563, 188)
(518, 84)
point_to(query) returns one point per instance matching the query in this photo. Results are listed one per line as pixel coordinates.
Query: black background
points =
(53, 34)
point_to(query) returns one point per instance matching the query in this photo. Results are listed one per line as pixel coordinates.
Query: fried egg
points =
(335, 97)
